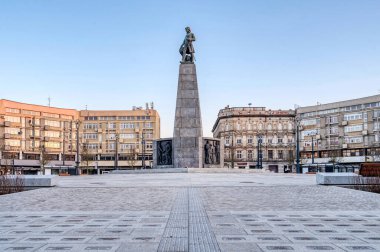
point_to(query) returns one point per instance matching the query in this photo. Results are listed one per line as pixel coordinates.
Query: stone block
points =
(191, 123)
(189, 103)
(188, 142)
(187, 77)
(189, 85)
(188, 94)
(187, 69)
(346, 178)
(188, 132)
(188, 112)
(40, 180)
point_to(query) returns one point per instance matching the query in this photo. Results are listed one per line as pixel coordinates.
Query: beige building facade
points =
(122, 138)
(340, 132)
(30, 134)
(27, 130)
(242, 128)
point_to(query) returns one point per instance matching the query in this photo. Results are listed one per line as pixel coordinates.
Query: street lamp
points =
(259, 152)
(298, 167)
(143, 148)
(116, 165)
(77, 162)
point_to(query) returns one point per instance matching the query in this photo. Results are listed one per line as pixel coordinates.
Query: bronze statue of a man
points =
(187, 49)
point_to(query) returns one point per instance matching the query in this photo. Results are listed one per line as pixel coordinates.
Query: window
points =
(148, 135)
(111, 146)
(269, 127)
(238, 140)
(54, 134)
(334, 141)
(54, 145)
(376, 126)
(67, 117)
(111, 136)
(129, 146)
(260, 126)
(250, 154)
(12, 110)
(353, 128)
(376, 113)
(29, 112)
(279, 140)
(50, 115)
(334, 130)
(227, 140)
(238, 127)
(353, 139)
(270, 154)
(53, 123)
(90, 136)
(91, 146)
(270, 140)
(149, 146)
(352, 117)
(107, 118)
(12, 119)
(11, 142)
(279, 126)
(250, 140)
(312, 132)
(91, 126)
(127, 136)
(239, 154)
(280, 154)
(332, 119)
(12, 131)
(308, 122)
(148, 125)
(90, 118)
(127, 125)
(111, 126)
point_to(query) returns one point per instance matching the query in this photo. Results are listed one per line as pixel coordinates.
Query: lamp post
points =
(143, 149)
(77, 162)
(259, 153)
(116, 165)
(298, 167)
(312, 149)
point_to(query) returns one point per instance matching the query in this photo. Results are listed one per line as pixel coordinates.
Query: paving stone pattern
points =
(210, 213)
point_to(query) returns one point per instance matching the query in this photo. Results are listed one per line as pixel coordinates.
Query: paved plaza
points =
(190, 212)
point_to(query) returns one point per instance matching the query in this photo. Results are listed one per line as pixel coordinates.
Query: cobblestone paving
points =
(286, 197)
(193, 215)
(84, 199)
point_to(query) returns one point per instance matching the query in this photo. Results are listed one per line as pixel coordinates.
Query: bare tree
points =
(131, 158)
(86, 156)
(45, 159)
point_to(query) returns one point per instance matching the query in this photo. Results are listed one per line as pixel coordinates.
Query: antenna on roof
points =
(49, 99)
(86, 106)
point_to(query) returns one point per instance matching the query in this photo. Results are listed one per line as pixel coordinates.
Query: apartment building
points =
(122, 138)
(256, 137)
(344, 132)
(30, 134)
(27, 130)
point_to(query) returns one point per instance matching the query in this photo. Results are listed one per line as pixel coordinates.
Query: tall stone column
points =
(187, 140)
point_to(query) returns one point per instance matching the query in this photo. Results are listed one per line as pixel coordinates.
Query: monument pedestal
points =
(187, 148)
(187, 137)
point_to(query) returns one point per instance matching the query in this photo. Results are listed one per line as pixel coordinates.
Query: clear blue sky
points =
(116, 54)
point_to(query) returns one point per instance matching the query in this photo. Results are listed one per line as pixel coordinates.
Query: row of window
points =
(147, 125)
(251, 154)
(250, 139)
(343, 109)
(35, 113)
(114, 118)
(260, 126)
